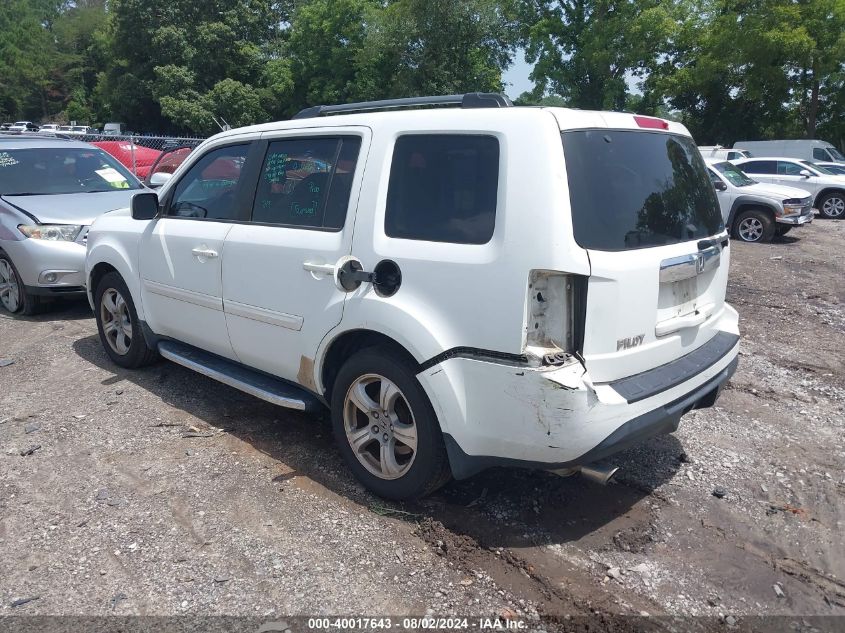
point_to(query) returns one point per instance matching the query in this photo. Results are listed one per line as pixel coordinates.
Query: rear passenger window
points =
(759, 167)
(306, 182)
(820, 154)
(443, 188)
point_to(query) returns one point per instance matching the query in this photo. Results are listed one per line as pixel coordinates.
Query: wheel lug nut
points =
(375, 429)
(385, 437)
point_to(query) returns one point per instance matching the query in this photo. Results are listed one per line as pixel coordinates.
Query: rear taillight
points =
(555, 316)
(651, 122)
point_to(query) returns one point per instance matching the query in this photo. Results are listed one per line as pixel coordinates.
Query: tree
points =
(587, 51)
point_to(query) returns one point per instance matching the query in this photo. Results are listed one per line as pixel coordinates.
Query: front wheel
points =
(118, 324)
(832, 205)
(386, 428)
(13, 294)
(783, 230)
(754, 225)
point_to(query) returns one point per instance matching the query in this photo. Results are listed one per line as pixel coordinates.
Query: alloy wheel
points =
(10, 291)
(380, 426)
(751, 229)
(117, 324)
(834, 207)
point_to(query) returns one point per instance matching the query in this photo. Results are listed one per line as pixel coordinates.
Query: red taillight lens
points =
(651, 122)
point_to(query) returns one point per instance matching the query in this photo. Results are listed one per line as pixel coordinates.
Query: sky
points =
(516, 77)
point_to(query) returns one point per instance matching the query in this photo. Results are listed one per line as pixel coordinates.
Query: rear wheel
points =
(832, 205)
(118, 324)
(13, 294)
(754, 225)
(386, 428)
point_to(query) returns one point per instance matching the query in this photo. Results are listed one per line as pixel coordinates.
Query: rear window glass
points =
(443, 188)
(631, 189)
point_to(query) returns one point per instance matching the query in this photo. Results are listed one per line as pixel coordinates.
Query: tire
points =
(118, 324)
(832, 205)
(754, 225)
(782, 230)
(382, 461)
(13, 294)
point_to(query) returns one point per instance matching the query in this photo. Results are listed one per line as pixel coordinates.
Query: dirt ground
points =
(161, 492)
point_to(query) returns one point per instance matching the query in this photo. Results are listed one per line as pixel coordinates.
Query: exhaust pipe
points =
(598, 473)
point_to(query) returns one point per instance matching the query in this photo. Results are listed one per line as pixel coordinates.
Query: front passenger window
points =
(208, 190)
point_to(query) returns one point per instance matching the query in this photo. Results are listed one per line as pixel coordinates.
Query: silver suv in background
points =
(50, 191)
(757, 212)
(827, 189)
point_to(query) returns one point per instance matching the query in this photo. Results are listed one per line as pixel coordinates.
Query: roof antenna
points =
(224, 127)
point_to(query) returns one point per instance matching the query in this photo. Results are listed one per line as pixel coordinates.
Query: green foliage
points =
(729, 69)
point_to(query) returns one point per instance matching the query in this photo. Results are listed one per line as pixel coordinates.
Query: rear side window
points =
(760, 167)
(820, 154)
(443, 188)
(306, 182)
(632, 189)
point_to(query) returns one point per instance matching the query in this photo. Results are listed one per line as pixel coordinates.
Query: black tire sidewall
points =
(764, 218)
(138, 350)
(426, 473)
(825, 199)
(29, 304)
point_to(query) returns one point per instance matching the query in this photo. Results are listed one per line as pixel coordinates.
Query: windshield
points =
(733, 174)
(631, 189)
(78, 128)
(57, 170)
(822, 169)
(835, 153)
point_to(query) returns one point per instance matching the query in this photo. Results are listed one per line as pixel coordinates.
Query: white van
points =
(717, 152)
(462, 287)
(801, 148)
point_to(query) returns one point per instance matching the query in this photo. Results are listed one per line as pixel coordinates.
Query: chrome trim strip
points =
(180, 294)
(271, 317)
(688, 266)
(226, 379)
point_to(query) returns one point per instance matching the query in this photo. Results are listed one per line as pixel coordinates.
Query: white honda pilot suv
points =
(463, 287)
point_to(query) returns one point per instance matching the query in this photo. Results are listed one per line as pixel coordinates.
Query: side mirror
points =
(144, 206)
(720, 186)
(158, 179)
(805, 173)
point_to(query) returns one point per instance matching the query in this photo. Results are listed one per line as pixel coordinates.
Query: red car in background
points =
(144, 157)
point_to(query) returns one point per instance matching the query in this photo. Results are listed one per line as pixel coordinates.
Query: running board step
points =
(255, 383)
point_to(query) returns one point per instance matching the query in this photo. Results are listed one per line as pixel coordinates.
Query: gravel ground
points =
(161, 492)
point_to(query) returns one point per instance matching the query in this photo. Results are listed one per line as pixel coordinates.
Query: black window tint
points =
(759, 167)
(820, 154)
(789, 169)
(631, 189)
(209, 188)
(443, 188)
(733, 155)
(306, 182)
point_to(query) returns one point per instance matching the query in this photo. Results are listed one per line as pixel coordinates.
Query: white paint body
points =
(263, 301)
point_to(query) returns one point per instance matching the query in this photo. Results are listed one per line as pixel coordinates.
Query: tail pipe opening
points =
(598, 473)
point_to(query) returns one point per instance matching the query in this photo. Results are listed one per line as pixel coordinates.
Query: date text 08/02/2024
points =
(413, 624)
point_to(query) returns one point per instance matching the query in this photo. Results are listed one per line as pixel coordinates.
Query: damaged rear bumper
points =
(497, 415)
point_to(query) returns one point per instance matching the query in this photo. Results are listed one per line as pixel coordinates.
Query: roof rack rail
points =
(468, 100)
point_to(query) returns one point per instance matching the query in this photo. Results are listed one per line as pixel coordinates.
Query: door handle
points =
(206, 253)
(312, 267)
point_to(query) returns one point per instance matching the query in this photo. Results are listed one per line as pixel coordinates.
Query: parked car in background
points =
(24, 126)
(757, 212)
(135, 157)
(720, 153)
(804, 149)
(535, 287)
(164, 166)
(4, 127)
(51, 190)
(48, 128)
(79, 130)
(113, 129)
(826, 189)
